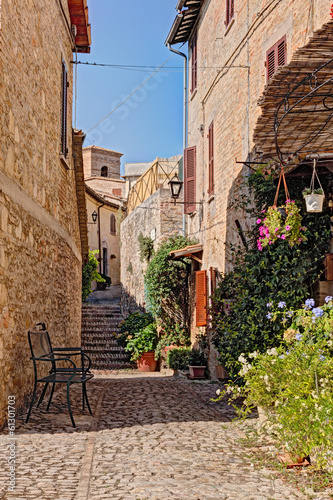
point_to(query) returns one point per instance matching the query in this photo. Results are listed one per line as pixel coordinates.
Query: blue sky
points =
(150, 123)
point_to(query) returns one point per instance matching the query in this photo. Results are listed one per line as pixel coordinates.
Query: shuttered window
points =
(64, 88)
(189, 179)
(201, 298)
(230, 11)
(112, 224)
(211, 159)
(276, 56)
(194, 63)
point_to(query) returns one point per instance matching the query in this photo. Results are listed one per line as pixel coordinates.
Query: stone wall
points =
(158, 218)
(95, 158)
(40, 249)
(108, 186)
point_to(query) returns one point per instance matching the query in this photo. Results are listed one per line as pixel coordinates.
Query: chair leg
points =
(51, 396)
(42, 395)
(32, 402)
(86, 398)
(69, 407)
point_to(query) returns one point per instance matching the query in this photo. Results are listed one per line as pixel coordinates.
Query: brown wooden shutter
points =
(64, 86)
(211, 159)
(276, 56)
(194, 58)
(112, 224)
(201, 298)
(229, 11)
(189, 179)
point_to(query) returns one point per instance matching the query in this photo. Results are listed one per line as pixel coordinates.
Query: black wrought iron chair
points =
(42, 351)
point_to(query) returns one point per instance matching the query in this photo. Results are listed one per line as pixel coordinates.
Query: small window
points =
(113, 228)
(276, 56)
(194, 63)
(64, 88)
(230, 11)
(104, 171)
(211, 159)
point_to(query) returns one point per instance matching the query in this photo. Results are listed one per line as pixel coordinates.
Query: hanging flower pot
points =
(314, 198)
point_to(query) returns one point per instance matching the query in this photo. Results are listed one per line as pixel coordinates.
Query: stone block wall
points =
(95, 157)
(40, 248)
(158, 218)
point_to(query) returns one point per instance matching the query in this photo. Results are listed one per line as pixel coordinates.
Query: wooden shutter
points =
(276, 56)
(230, 11)
(189, 179)
(201, 298)
(64, 87)
(194, 60)
(211, 159)
(212, 279)
(112, 224)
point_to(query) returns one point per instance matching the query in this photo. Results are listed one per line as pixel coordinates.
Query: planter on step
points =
(197, 371)
(147, 362)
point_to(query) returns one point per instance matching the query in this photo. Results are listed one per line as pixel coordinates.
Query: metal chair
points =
(42, 351)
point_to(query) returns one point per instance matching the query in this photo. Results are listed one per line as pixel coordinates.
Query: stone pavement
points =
(151, 437)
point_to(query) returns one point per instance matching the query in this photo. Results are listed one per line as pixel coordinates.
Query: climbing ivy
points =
(146, 247)
(90, 274)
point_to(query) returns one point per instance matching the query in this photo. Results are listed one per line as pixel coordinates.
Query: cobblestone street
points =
(150, 437)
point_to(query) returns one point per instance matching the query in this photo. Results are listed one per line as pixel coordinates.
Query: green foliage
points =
(146, 247)
(129, 268)
(133, 324)
(308, 190)
(143, 341)
(90, 274)
(197, 358)
(178, 359)
(167, 284)
(175, 335)
(278, 272)
(294, 383)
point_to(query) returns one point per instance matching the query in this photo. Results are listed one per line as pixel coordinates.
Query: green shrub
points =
(90, 274)
(143, 341)
(197, 358)
(133, 324)
(176, 335)
(177, 359)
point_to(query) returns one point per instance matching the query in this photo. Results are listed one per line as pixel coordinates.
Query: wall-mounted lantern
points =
(175, 187)
(94, 217)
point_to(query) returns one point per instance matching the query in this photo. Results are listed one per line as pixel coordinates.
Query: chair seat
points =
(63, 378)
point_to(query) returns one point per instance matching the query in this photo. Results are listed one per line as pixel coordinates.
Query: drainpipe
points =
(184, 114)
(99, 238)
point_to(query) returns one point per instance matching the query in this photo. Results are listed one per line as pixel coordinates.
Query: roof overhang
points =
(78, 11)
(188, 12)
(191, 252)
(297, 104)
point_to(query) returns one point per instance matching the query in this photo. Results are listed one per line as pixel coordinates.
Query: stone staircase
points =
(99, 325)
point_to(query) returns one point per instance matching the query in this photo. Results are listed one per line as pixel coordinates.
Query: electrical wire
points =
(145, 68)
(130, 95)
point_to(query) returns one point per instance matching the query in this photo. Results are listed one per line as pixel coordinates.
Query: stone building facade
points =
(229, 45)
(40, 243)
(157, 218)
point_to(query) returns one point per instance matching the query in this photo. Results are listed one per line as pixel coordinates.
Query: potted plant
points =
(314, 199)
(142, 345)
(197, 363)
(178, 359)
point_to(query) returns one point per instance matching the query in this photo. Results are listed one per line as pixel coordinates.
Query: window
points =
(64, 88)
(230, 11)
(276, 56)
(189, 179)
(201, 298)
(113, 224)
(104, 171)
(211, 159)
(194, 62)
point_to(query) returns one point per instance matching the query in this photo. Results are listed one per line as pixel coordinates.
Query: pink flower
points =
(300, 239)
(263, 211)
(287, 228)
(283, 236)
(270, 242)
(258, 221)
(276, 229)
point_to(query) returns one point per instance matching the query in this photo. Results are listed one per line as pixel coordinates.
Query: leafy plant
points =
(197, 358)
(143, 341)
(133, 324)
(146, 247)
(279, 272)
(167, 284)
(294, 382)
(177, 359)
(174, 335)
(90, 274)
(308, 190)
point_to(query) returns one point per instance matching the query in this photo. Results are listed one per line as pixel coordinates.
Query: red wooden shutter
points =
(64, 86)
(211, 159)
(201, 298)
(189, 179)
(276, 56)
(194, 57)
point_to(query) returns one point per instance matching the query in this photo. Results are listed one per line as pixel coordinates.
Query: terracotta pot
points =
(221, 372)
(197, 371)
(147, 362)
(169, 347)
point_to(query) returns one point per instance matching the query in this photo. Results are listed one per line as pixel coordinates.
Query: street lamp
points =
(175, 187)
(94, 216)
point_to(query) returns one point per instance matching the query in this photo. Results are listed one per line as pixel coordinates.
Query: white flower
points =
(266, 379)
(242, 359)
(272, 352)
(253, 354)
(218, 392)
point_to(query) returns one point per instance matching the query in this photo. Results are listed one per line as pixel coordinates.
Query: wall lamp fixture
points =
(94, 217)
(176, 185)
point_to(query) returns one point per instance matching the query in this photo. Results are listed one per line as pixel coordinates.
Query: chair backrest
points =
(40, 344)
